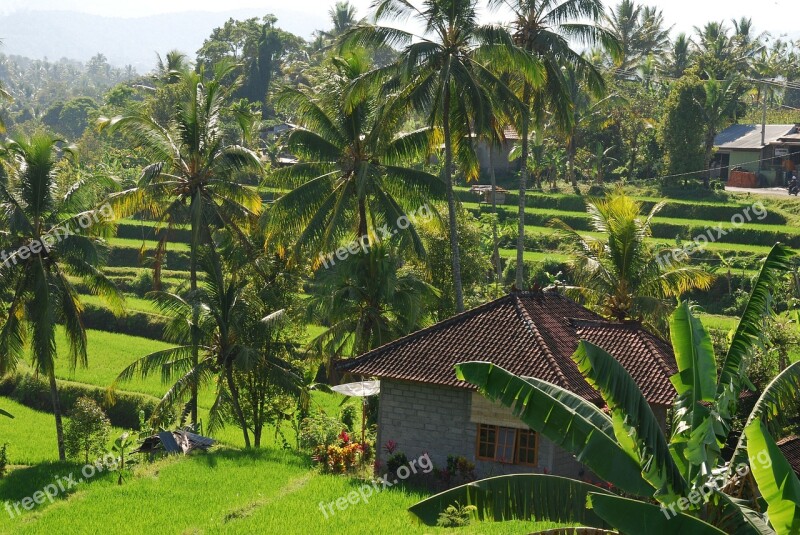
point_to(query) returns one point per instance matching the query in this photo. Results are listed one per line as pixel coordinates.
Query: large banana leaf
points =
(571, 428)
(695, 438)
(694, 353)
(772, 408)
(635, 425)
(632, 517)
(776, 480)
(748, 332)
(734, 516)
(517, 497)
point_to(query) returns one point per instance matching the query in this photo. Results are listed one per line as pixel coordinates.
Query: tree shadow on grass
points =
(274, 455)
(58, 479)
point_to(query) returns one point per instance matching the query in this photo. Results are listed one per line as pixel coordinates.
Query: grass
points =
(267, 491)
(31, 435)
(149, 245)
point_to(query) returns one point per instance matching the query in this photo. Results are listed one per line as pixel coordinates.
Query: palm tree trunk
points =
(195, 341)
(237, 408)
(362, 217)
(571, 164)
(495, 246)
(451, 200)
(523, 185)
(62, 455)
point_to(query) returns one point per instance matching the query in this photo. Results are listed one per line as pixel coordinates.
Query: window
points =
(507, 445)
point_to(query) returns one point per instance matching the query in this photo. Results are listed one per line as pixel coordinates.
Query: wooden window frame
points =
(518, 432)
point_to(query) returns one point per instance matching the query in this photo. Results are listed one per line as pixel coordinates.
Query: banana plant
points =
(676, 482)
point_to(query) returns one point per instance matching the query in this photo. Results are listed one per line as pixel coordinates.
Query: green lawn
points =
(31, 435)
(149, 244)
(268, 491)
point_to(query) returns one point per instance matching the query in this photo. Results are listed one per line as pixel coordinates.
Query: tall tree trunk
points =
(523, 185)
(62, 454)
(571, 163)
(362, 217)
(195, 311)
(237, 408)
(495, 246)
(451, 200)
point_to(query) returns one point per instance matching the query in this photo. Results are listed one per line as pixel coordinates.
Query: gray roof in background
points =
(748, 136)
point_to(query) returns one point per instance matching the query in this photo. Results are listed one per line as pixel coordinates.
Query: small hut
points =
(180, 441)
(485, 191)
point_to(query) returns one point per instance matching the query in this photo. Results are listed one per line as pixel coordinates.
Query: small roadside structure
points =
(170, 442)
(485, 191)
(751, 155)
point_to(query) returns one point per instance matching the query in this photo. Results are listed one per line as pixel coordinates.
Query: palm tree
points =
(444, 74)
(51, 232)
(640, 31)
(547, 30)
(368, 301)
(192, 177)
(170, 68)
(586, 111)
(719, 109)
(343, 17)
(679, 57)
(625, 445)
(219, 315)
(352, 180)
(620, 272)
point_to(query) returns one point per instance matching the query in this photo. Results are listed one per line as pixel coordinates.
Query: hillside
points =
(127, 41)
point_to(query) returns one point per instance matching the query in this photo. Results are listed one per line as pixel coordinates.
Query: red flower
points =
(344, 437)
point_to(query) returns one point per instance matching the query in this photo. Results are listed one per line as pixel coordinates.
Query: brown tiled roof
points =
(790, 447)
(530, 334)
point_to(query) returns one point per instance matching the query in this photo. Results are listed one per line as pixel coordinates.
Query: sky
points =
(775, 16)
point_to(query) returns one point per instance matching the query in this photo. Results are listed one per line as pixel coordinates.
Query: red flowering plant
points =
(342, 456)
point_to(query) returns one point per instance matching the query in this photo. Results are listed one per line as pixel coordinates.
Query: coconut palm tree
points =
(619, 271)
(52, 234)
(192, 177)
(443, 73)
(661, 476)
(548, 29)
(640, 31)
(679, 57)
(219, 316)
(368, 301)
(343, 17)
(719, 110)
(352, 180)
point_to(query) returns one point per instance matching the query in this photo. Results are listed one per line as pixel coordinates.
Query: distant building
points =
(499, 154)
(739, 147)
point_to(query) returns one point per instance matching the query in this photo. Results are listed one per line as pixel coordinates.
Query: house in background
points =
(740, 152)
(499, 159)
(425, 409)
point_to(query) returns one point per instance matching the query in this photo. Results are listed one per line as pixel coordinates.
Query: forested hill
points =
(127, 41)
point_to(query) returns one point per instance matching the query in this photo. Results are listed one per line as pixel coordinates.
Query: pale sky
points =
(775, 16)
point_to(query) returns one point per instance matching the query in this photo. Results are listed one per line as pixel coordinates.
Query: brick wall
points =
(436, 420)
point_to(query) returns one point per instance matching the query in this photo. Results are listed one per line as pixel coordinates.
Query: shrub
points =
(319, 429)
(87, 430)
(349, 416)
(35, 394)
(456, 516)
(3, 459)
(143, 283)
